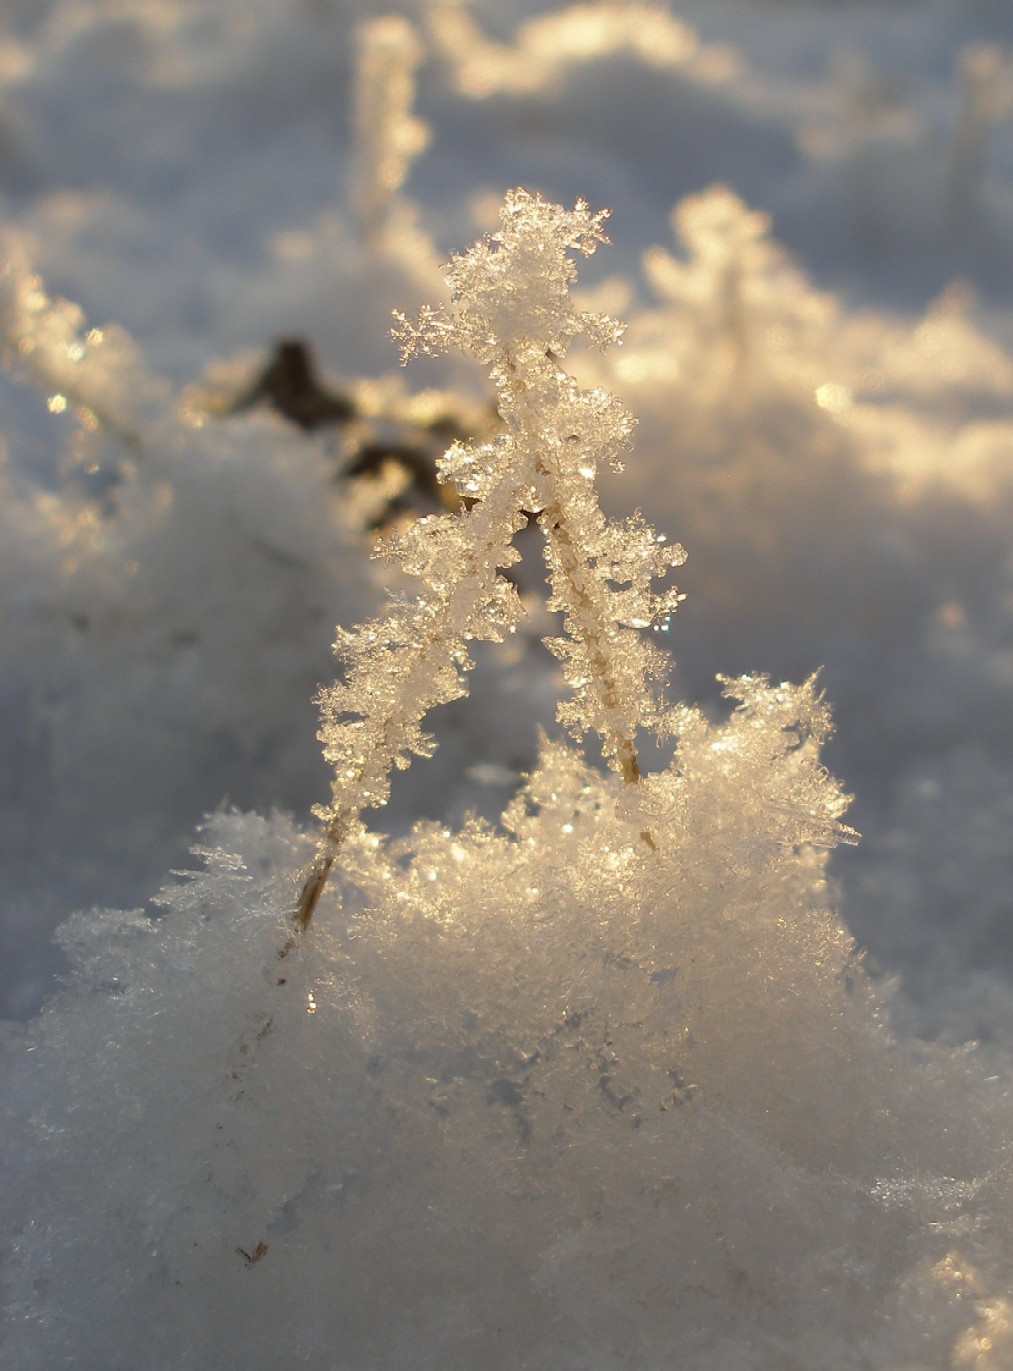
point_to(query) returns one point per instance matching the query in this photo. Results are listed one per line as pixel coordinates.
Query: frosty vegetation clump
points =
(515, 315)
(602, 1085)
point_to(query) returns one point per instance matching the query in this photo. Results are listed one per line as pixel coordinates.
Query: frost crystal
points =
(513, 313)
(513, 290)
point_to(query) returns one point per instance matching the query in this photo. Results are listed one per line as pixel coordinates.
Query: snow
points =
(531, 1093)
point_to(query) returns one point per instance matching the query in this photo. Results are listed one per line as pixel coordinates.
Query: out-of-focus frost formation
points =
(389, 134)
(164, 602)
(530, 1090)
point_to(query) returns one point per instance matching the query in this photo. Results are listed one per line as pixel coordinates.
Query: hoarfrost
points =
(444, 1177)
(570, 1101)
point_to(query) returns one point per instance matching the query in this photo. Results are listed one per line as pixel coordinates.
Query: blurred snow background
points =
(812, 218)
(830, 439)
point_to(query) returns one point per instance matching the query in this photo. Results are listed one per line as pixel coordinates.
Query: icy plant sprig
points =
(514, 314)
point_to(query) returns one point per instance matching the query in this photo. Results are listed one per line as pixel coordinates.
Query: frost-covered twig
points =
(403, 665)
(514, 314)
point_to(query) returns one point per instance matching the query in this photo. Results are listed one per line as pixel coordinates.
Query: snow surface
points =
(812, 207)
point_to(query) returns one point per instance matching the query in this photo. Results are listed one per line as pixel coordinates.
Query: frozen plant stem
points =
(513, 314)
(556, 530)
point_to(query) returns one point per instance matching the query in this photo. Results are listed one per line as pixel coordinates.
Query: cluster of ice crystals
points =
(512, 291)
(515, 313)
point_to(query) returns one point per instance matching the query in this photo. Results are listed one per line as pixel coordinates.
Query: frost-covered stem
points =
(541, 406)
(585, 621)
(315, 882)
(98, 372)
(558, 422)
(441, 628)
